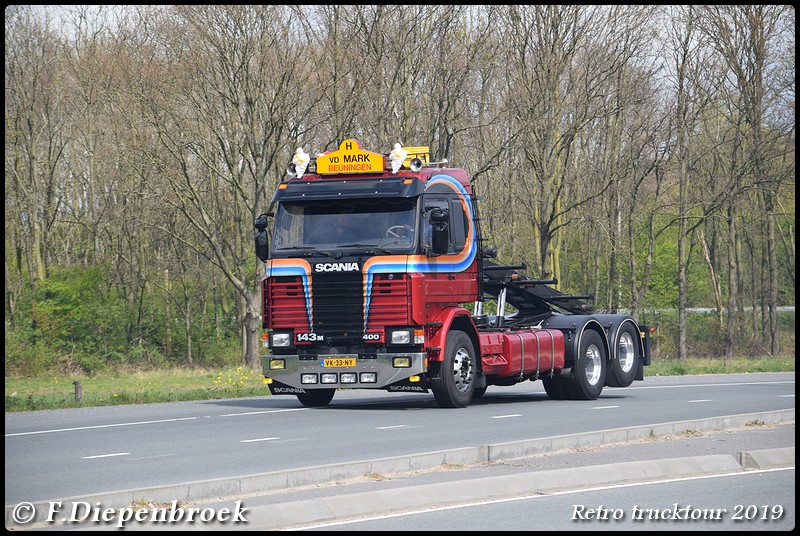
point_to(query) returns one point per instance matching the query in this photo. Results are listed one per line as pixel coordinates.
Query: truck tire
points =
(589, 370)
(454, 385)
(555, 387)
(478, 392)
(622, 366)
(316, 398)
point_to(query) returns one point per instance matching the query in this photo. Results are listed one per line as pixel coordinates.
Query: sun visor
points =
(300, 190)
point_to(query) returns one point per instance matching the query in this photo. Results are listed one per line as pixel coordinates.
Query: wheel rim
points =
(625, 352)
(594, 364)
(462, 370)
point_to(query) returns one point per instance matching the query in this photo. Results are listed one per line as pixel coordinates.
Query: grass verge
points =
(142, 387)
(173, 385)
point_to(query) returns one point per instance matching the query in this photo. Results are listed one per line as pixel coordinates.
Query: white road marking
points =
(105, 455)
(700, 400)
(261, 412)
(694, 385)
(392, 427)
(155, 456)
(262, 439)
(101, 426)
(137, 423)
(506, 416)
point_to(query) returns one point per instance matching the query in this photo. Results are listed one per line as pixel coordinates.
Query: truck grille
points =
(338, 303)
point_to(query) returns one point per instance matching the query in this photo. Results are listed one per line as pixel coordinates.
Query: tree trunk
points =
(167, 319)
(714, 281)
(732, 284)
(188, 324)
(252, 333)
(773, 282)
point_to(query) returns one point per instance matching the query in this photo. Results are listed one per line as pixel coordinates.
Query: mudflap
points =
(645, 332)
(406, 386)
(278, 388)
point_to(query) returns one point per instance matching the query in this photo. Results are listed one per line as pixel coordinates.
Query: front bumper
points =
(370, 371)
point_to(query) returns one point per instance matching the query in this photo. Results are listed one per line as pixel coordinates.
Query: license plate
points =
(338, 362)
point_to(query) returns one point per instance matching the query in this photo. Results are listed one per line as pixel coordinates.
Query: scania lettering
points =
(337, 267)
(409, 298)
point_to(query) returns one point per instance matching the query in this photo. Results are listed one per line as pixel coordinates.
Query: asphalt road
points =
(505, 424)
(753, 500)
(750, 489)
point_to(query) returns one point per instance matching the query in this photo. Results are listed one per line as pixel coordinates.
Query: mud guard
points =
(447, 320)
(612, 323)
(573, 327)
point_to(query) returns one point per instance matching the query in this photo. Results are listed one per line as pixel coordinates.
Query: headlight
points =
(401, 336)
(406, 336)
(369, 377)
(280, 339)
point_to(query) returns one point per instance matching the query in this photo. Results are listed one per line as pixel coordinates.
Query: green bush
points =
(147, 357)
(223, 353)
(93, 364)
(706, 339)
(26, 356)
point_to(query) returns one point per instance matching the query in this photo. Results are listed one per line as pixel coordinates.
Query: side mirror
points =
(262, 238)
(440, 236)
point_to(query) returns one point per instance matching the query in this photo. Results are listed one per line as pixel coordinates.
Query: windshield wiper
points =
(308, 252)
(371, 249)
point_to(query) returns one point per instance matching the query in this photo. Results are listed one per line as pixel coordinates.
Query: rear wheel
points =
(455, 384)
(589, 370)
(316, 398)
(622, 365)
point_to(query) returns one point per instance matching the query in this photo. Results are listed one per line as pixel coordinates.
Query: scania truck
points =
(377, 276)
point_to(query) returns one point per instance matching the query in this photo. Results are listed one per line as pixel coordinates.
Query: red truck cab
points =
(375, 279)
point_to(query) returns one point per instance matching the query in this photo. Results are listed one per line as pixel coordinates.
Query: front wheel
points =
(316, 398)
(589, 370)
(454, 386)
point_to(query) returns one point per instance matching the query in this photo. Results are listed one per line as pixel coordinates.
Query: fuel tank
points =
(510, 353)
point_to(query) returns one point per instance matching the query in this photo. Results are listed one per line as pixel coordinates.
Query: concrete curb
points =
(767, 459)
(281, 480)
(533, 447)
(341, 507)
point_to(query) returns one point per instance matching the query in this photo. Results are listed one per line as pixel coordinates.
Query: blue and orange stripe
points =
(295, 267)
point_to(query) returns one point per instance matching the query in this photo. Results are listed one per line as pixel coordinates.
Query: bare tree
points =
(566, 61)
(688, 61)
(742, 37)
(233, 96)
(35, 137)
(146, 139)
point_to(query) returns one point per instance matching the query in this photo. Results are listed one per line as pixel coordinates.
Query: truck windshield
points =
(386, 224)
